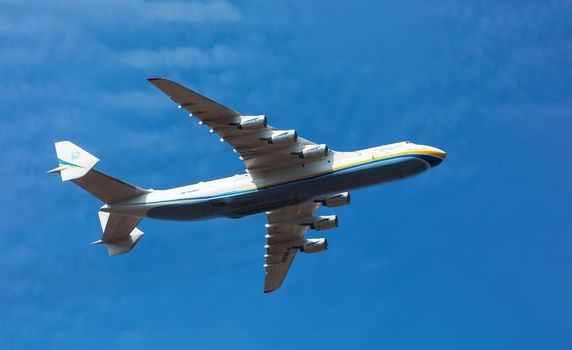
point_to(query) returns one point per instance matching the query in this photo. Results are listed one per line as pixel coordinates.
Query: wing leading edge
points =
(262, 148)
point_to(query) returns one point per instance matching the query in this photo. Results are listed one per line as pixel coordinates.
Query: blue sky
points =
(474, 254)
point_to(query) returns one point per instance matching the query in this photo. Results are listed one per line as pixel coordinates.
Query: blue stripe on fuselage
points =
(430, 159)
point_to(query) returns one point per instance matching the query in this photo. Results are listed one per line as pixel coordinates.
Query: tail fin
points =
(77, 165)
(73, 161)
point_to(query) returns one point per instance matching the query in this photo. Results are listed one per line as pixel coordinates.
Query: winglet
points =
(154, 78)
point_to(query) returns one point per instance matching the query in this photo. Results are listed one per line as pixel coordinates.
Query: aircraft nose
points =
(440, 156)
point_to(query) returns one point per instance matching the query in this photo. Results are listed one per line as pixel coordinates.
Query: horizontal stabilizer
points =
(125, 244)
(119, 232)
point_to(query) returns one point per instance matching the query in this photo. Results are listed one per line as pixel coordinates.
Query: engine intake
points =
(336, 200)
(252, 122)
(314, 245)
(314, 152)
(322, 223)
(283, 138)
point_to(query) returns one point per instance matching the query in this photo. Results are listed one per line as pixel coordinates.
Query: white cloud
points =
(35, 17)
(178, 57)
(22, 55)
(189, 12)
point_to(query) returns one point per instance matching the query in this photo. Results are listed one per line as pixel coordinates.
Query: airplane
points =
(286, 177)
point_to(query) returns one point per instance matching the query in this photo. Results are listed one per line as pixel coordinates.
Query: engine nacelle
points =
(322, 223)
(314, 245)
(284, 138)
(252, 122)
(336, 200)
(314, 152)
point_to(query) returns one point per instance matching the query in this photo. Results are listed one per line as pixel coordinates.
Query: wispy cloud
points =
(27, 17)
(188, 12)
(22, 55)
(178, 57)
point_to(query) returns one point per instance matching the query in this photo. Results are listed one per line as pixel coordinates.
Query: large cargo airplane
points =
(287, 177)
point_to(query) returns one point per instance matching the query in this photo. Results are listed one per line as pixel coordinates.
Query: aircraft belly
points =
(305, 190)
(185, 211)
(370, 175)
(279, 196)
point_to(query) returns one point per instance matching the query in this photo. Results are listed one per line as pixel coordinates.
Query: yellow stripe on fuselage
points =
(341, 167)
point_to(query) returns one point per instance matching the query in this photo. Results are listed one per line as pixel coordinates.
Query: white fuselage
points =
(242, 195)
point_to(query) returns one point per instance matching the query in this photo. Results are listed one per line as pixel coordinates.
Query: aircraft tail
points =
(73, 161)
(76, 164)
(120, 233)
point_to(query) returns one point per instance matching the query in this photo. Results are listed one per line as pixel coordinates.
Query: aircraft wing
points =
(263, 148)
(286, 230)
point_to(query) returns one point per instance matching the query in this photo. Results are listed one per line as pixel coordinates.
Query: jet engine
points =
(336, 200)
(284, 138)
(314, 245)
(252, 122)
(314, 152)
(322, 223)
